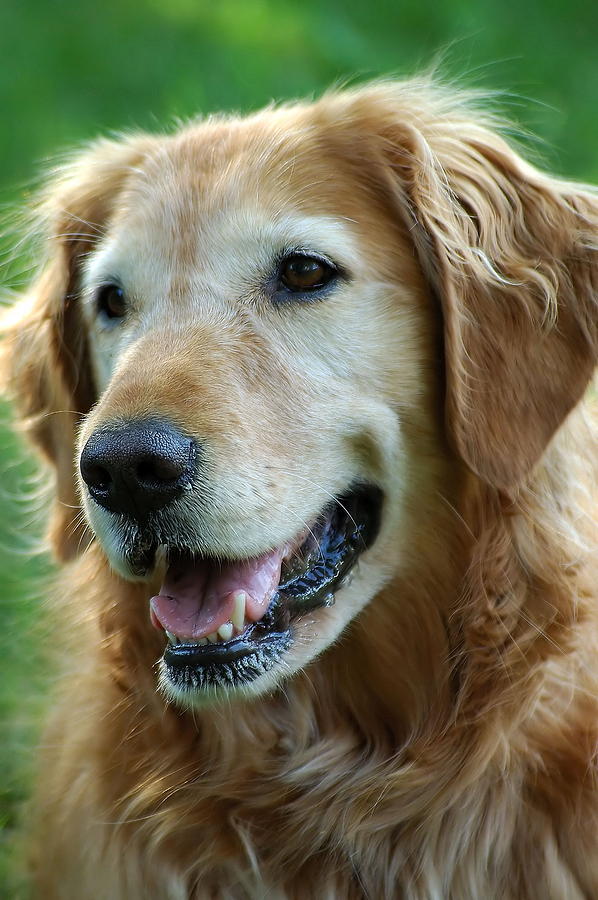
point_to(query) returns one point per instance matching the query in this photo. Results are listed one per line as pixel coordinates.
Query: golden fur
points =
(437, 731)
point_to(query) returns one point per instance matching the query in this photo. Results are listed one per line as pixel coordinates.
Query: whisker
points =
(324, 491)
(306, 527)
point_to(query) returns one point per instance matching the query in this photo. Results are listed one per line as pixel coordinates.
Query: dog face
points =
(253, 311)
(253, 343)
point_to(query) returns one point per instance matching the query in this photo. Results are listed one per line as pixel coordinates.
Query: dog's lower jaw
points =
(197, 691)
(308, 637)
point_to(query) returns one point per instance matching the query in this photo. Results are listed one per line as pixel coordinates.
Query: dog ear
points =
(512, 256)
(44, 348)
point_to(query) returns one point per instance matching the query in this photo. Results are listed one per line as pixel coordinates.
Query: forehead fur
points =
(274, 160)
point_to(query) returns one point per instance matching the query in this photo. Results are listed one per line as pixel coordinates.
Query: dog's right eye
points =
(303, 273)
(111, 301)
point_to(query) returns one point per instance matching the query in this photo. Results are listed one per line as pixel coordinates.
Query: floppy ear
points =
(44, 354)
(512, 256)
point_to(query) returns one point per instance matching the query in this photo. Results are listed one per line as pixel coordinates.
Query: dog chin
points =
(187, 697)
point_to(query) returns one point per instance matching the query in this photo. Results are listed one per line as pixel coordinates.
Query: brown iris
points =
(112, 301)
(301, 272)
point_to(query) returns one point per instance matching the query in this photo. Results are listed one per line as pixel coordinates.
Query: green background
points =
(70, 70)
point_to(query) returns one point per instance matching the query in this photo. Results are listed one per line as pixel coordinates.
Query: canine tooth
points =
(213, 637)
(171, 637)
(161, 553)
(226, 631)
(238, 614)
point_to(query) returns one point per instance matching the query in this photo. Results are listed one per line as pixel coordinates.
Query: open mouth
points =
(229, 621)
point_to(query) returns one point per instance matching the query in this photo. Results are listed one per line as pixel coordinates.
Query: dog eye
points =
(111, 301)
(300, 273)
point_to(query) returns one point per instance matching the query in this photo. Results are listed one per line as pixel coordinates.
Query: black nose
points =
(138, 468)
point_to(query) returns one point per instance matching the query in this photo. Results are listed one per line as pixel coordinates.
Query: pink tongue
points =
(197, 596)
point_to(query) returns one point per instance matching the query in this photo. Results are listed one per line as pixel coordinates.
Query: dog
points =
(315, 389)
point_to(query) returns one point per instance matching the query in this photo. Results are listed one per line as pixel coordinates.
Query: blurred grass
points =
(23, 664)
(69, 70)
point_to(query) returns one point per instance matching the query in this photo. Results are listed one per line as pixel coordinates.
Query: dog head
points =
(256, 322)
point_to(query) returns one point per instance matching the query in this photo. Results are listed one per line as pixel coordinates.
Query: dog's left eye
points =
(301, 273)
(111, 301)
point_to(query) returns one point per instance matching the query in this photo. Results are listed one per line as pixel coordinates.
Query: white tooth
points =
(171, 637)
(226, 631)
(238, 614)
(213, 637)
(203, 641)
(160, 558)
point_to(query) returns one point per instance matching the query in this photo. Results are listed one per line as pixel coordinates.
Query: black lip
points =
(348, 527)
(238, 661)
(214, 654)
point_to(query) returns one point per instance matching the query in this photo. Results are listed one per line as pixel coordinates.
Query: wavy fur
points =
(443, 745)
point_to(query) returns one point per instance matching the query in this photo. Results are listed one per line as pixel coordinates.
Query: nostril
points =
(96, 477)
(160, 468)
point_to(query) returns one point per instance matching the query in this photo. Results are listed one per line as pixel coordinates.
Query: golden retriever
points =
(312, 386)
